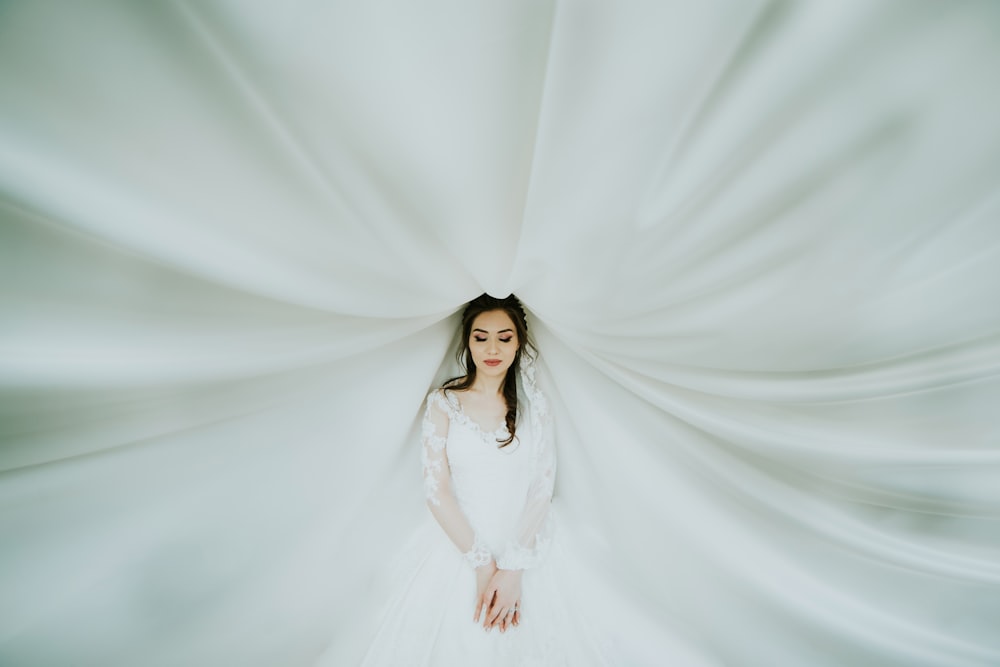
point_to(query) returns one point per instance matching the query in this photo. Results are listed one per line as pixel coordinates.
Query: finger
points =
(490, 616)
(487, 616)
(517, 617)
(485, 602)
(500, 612)
(492, 611)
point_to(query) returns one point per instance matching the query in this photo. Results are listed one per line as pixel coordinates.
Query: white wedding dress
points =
(492, 501)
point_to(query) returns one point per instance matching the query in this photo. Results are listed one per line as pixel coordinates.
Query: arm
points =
(437, 485)
(531, 539)
(533, 535)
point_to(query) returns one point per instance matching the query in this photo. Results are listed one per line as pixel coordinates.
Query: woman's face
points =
(493, 343)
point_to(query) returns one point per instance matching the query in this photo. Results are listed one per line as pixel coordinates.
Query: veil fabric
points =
(760, 251)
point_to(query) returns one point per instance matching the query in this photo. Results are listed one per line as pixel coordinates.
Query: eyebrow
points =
(501, 331)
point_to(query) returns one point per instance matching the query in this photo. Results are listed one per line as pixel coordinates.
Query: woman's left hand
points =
(502, 598)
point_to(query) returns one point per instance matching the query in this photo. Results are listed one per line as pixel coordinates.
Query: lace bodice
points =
(492, 501)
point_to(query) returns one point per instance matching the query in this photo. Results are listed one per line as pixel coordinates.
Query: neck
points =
(487, 385)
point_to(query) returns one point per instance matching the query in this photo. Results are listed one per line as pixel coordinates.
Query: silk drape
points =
(758, 243)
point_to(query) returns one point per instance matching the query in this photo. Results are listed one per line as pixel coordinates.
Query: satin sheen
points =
(757, 243)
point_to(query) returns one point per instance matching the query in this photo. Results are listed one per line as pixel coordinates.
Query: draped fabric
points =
(758, 243)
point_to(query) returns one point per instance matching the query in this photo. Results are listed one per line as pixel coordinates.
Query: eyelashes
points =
(502, 340)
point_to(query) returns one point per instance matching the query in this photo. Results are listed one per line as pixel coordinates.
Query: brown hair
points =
(484, 304)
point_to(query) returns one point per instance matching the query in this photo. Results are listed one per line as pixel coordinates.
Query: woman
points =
(486, 582)
(492, 502)
(483, 591)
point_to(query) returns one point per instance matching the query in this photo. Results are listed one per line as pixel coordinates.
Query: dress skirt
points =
(429, 620)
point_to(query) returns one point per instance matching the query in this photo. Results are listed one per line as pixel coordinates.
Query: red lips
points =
(492, 362)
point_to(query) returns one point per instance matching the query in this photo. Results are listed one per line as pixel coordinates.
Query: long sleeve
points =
(437, 484)
(534, 527)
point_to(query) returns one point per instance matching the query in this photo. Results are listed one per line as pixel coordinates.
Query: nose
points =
(493, 347)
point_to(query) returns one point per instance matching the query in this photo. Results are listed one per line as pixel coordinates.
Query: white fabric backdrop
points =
(760, 247)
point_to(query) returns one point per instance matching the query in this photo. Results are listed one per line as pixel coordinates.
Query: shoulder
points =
(439, 400)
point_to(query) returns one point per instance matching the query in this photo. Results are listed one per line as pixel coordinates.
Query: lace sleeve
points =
(534, 530)
(437, 483)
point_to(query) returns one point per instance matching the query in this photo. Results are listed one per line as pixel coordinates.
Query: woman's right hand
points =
(503, 596)
(484, 573)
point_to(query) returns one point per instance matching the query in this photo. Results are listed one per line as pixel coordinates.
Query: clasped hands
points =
(498, 597)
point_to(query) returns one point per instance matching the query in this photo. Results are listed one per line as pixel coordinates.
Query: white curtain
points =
(759, 243)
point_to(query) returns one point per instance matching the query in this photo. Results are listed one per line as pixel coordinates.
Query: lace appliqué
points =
(517, 556)
(433, 445)
(478, 555)
(456, 412)
(432, 468)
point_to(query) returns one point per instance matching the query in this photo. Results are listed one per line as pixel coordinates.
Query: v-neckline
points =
(476, 426)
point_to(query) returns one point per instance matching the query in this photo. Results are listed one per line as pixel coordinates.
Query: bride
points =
(482, 590)
(486, 579)
(492, 501)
